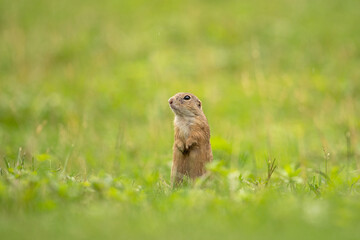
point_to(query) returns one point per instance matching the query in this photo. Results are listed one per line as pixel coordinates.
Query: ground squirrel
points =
(192, 149)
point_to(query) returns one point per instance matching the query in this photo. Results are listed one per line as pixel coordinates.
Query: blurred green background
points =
(84, 87)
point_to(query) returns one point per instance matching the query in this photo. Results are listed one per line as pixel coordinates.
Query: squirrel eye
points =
(187, 97)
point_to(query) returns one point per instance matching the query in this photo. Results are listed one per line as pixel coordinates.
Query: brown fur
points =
(192, 149)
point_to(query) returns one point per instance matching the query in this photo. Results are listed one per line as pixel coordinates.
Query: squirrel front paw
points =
(180, 146)
(189, 143)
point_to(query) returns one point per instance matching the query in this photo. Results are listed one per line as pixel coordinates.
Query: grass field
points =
(86, 132)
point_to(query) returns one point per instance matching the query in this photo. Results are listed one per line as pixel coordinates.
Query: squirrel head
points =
(185, 105)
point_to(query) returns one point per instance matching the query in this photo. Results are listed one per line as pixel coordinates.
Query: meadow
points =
(86, 132)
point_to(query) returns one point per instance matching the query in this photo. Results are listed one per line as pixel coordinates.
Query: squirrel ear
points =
(199, 104)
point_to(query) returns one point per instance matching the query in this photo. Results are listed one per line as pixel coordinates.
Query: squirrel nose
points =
(171, 100)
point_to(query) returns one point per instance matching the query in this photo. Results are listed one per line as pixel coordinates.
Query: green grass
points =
(86, 132)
